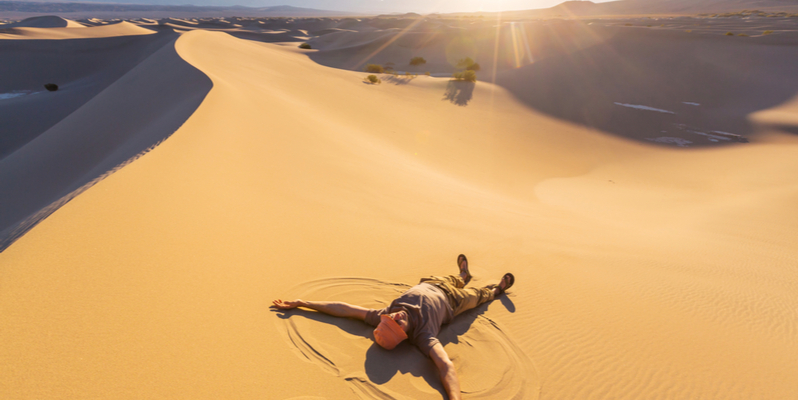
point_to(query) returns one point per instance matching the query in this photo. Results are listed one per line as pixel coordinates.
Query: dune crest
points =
(644, 270)
(122, 28)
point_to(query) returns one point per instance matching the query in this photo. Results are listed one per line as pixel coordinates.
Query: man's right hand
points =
(287, 305)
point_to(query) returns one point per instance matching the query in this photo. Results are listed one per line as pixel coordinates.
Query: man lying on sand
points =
(418, 315)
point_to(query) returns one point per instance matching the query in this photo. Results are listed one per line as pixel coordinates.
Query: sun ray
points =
(494, 60)
(390, 41)
(515, 44)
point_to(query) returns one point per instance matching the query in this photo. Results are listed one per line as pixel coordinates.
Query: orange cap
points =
(389, 334)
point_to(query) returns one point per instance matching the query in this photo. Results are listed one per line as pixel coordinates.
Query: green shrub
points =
(305, 46)
(729, 34)
(417, 61)
(373, 79)
(374, 68)
(468, 75)
(469, 64)
(464, 62)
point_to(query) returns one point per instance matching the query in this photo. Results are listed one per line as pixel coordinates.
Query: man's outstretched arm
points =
(335, 308)
(447, 371)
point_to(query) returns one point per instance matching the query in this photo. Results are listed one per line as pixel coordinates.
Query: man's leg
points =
(452, 280)
(467, 299)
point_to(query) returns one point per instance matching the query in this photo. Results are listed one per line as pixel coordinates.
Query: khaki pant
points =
(460, 299)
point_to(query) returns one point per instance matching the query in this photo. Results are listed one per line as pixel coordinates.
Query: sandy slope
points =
(117, 98)
(642, 272)
(70, 32)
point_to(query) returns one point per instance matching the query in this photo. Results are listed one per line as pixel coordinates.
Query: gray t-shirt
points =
(427, 309)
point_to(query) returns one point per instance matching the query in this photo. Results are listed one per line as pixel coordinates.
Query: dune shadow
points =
(145, 97)
(459, 92)
(651, 84)
(400, 79)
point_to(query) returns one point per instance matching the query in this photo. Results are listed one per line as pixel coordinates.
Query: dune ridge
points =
(643, 270)
(130, 116)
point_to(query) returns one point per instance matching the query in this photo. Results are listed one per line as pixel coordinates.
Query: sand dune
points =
(122, 28)
(47, 21)
(102, 117)
(644, 270)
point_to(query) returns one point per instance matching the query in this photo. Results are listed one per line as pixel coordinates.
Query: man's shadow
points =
(382, 365)
(459, 92)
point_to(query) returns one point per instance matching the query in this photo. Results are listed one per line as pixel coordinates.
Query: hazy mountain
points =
(622, 7)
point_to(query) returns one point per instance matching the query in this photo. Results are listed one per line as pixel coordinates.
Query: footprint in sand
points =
(490, 365)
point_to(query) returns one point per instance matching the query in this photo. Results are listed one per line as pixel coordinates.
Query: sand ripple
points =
(490, 364)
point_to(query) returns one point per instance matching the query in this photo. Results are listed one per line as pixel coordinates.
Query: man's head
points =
(389, 332)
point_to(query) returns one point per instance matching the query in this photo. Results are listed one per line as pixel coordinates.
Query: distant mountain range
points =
(628, 7)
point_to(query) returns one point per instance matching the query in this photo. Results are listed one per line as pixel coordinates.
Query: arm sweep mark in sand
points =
(418, 315)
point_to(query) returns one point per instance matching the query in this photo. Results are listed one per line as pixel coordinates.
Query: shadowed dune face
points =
(696, 84)
(654, 85)
(117, 98)
(81, 67)
(48, 21)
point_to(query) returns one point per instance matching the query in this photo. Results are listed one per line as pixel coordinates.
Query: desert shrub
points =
(729, 34)
(305, 46)
(464, 62)
(51, 87)
(417, 61)
(468, 75)
(374, 68)
(688, 31)
(743, 34)
(628, 24)
(768, 32)
(468, 63)
(428, 73)
(373, 79)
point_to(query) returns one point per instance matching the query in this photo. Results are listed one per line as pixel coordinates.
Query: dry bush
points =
(417, 61)
(375, 68)
(742, 34)
(468, 75)
(469, 64)
(373, 79)
(305, 46)
(729, 34)
(768, 32)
